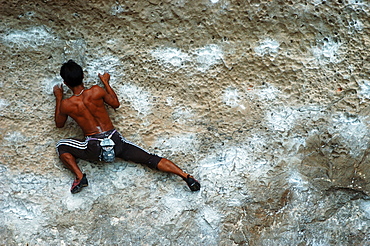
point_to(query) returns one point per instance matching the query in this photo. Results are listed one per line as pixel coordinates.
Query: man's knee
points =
(154, 161)
(66, 157)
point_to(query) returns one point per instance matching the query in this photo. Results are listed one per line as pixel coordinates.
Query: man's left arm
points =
(111, 97)
(60, 118)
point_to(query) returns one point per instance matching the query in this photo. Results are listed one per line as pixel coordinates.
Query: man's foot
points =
(193, 184)
(79, 184)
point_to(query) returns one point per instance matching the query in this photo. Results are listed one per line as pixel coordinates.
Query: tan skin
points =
(89, 111)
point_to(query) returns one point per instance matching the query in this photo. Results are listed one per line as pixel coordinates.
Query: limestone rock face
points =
(266, 102)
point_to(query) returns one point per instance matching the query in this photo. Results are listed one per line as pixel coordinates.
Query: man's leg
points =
(70, 149)
(130, 152)
(70, 162)
(81, 181)
(168, 166)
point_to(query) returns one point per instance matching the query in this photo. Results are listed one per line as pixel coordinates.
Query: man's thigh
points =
(131, 152)
(81, 149)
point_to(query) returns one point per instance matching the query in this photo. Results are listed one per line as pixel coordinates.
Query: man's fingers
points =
(58, 87)
(105, 77)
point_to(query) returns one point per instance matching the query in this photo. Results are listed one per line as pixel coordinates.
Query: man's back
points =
(88, 110)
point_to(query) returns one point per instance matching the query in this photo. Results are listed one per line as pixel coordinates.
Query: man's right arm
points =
(60, 118)
(110, 98)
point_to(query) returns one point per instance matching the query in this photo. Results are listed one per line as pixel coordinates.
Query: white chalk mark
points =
(3, 104)
(138, 98)
(171, 56)
(201, 59)
(230, 97)
(208, 56)
(32, 37)
(364, 92)
(268, 47)
(327, 51)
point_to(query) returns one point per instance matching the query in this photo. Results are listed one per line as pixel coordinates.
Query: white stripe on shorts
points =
(73, 143)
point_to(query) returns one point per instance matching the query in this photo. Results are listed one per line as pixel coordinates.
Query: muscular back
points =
(88, 110)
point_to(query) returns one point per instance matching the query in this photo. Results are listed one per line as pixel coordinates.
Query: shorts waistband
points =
(101, 135)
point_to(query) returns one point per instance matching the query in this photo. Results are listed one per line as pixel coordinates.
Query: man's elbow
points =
(116, 105)
(59, 124)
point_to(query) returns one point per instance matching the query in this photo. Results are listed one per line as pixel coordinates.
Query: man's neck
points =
(78, 90)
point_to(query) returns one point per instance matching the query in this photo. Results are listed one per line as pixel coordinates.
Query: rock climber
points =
(102, 141)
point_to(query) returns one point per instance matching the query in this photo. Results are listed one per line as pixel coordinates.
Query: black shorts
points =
(90, 149)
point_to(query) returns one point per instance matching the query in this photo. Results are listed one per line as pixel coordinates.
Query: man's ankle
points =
(79, 177)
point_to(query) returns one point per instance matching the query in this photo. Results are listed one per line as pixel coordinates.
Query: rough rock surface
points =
(266, 102)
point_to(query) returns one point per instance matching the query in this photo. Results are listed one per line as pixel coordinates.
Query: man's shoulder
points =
(96, 88)
(96, 91)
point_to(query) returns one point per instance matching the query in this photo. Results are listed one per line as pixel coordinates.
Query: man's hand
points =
(58, 91)
(104, 78)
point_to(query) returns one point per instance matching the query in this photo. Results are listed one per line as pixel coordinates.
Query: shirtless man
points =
(87, 107)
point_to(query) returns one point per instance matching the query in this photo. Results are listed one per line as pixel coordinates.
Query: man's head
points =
(71, 73)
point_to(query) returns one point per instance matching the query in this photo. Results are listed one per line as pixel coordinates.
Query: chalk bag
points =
(107, 146)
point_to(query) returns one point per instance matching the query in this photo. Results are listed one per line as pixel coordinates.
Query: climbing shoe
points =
(193, 184)
(79, 184)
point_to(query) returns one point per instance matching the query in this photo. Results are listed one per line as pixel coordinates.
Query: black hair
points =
(72, 73)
